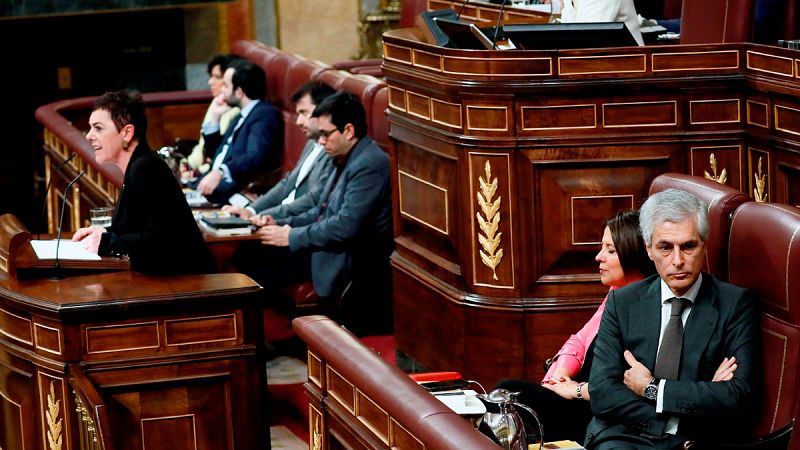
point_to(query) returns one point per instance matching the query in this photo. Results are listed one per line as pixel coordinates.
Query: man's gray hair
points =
(672, 205)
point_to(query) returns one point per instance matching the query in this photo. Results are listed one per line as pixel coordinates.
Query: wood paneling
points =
(425, 202)
(16, 327)
(558, 117)
(122, 338)
(640, 114)
(617, 65)
(770, 64)
(578, 196)
(721, 163)
(687, 61)
(373, 416)
(201, 330)
(340, 389)
(714, 111)
(163, 359)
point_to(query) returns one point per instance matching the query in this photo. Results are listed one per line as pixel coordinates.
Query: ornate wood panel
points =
(544, 146)
(167, 362)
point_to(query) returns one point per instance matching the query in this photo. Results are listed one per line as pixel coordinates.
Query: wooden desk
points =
(153, 362)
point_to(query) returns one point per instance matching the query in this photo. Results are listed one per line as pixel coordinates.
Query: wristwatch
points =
(651, 390)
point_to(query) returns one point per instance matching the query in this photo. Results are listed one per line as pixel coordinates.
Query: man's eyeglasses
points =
(327, 133)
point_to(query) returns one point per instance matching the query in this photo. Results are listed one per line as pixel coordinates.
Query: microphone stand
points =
(461, 9)
(57, 275)
(56, 171)
(497, 28)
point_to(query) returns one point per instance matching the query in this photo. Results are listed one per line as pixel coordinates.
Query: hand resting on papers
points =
(89, 237)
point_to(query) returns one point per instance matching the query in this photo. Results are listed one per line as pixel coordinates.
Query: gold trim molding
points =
(491, 252)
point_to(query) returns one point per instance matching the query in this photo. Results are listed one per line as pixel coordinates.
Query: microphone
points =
(56, 274)
(497, 28)
(461, 9)
(50, 181)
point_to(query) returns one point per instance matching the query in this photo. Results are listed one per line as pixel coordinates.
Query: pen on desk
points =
(449, 393)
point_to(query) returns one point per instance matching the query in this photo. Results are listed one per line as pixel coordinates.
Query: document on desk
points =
(66, 250)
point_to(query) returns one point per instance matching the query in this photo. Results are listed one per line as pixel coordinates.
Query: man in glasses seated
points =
(342, 243)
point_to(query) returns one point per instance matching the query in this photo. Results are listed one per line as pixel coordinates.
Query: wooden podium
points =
(121, 360)
(505, 165)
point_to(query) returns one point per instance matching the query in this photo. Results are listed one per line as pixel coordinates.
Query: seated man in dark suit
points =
(300, 189)
(252, 145)
(653, 384)
(344, 242)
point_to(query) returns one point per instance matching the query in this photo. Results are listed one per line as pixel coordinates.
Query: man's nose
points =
(677, 257)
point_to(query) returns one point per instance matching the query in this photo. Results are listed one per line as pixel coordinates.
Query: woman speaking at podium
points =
(152, 223)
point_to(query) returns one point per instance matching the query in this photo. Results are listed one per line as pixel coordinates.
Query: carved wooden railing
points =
(358, 400)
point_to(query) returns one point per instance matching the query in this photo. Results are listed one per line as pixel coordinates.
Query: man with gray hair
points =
(655, 385)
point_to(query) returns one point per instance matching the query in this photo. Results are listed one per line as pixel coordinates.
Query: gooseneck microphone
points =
(497, 28)
(53, 174)
(57, 272)
(461, 9)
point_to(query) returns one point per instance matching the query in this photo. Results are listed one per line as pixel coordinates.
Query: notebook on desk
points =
(226, 222)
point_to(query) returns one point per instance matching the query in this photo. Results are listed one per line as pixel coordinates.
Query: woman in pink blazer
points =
(622, 260)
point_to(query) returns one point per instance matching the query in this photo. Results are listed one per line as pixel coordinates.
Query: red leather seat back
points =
(277, 71)
(716, 21)
(764, 256)
(294, 140)
(721, 200)
(410, 10)
(298, 74)
(333, 78)
(366, 88)
(379, 122)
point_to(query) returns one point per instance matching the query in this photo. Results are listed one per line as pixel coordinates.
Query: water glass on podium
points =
(101, 217)
(555, 10)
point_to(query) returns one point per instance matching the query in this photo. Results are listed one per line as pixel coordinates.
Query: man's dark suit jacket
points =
(723, 322)
(308, 192)
(152, 223)
(257, 148)
(350, 235)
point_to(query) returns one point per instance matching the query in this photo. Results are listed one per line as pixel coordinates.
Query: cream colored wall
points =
(324, 30)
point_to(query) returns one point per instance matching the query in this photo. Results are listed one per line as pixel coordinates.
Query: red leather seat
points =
(765, 258)
(722, 201)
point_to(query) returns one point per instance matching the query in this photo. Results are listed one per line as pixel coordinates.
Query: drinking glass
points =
(101, 217)
(555, 10)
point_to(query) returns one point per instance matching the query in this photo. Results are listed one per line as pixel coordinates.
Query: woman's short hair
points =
(125, 107)
(672, 205)
(624, 227)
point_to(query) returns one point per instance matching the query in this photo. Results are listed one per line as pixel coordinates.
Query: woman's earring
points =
(124, 144)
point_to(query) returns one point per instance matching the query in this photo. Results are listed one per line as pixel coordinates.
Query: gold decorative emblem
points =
(722, 177)
(759, 193)
(316, 441)
(54, 422)
(489, 221)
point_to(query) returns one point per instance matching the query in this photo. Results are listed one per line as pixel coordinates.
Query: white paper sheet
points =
(66, 250)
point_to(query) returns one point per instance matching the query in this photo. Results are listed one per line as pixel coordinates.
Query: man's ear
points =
(349, 131)
(649, 252)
